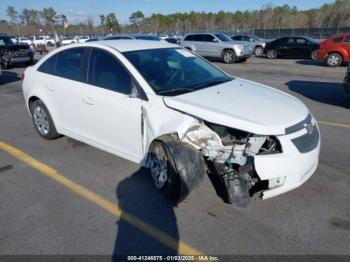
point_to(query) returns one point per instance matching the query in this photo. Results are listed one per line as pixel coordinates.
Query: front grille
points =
(307, 142)
(299, 126)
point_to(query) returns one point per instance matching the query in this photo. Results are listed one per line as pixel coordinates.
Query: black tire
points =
(172, 185)
(46, 133)
(258, 51)
(334, 60)
(228, 57)
(314, 54)
(272, 54)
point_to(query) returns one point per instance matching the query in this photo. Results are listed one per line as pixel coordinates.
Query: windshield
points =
(223, 38)
(172, 71)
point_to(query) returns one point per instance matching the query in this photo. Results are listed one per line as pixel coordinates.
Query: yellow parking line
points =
(333, 124)
(177, 245)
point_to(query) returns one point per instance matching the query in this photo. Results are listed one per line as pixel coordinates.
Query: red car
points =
(336, 50)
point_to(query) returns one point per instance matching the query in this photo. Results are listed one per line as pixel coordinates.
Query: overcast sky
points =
(78, 10)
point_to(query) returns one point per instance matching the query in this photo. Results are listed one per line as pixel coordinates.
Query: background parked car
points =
(25, 40)
(217, 45)
(336, 50)
(43, 40)
(83, 39)
(132, 36)
(257, 43)
(347, 80)
(172, 40)
(292, 47)
(15, 52)
(69, 40)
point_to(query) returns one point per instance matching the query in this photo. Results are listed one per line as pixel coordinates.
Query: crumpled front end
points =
(249, 163)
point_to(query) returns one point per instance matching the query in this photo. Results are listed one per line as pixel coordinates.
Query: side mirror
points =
(215, 40)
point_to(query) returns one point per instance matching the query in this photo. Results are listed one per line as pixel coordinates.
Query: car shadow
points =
(324, 92)
(316, 63)
(138, 197)
(310, 62)
(8, 77)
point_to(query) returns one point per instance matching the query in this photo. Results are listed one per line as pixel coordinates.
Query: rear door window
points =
(237, 38)
(69, 64)
(49, 66)
(207, 38)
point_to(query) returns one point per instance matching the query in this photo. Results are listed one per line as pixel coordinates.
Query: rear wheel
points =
(272, 54)
(258, 51)
(334, 59)
(314, 54)
(228, 57)
(163, 170)
(42, 120)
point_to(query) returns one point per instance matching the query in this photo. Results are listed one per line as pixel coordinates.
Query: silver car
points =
(217, 45)
(257, 43)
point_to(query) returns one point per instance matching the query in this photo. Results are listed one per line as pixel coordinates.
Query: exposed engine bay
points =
(231, 153)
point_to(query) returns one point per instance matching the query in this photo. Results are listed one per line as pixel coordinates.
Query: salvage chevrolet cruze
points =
(173, 112)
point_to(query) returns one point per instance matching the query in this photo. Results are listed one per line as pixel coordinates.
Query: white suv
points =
(168, 109)
(217, 45)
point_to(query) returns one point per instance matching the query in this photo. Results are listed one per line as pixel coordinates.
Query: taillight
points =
(22, 76)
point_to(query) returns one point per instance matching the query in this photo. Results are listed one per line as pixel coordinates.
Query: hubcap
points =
(271, 54)
(258, 51)
(41, 120)
(228, 57)
(333, 60)
(159, 166)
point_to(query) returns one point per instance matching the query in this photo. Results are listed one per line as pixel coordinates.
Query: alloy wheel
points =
(159, 166)
(41, 120)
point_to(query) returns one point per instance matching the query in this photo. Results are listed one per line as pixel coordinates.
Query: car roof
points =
(130, 45)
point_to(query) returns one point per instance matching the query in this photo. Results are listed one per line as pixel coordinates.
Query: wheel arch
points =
(34, 97)
(227, 49)
(188, 161)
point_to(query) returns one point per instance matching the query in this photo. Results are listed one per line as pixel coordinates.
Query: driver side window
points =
(105, 71)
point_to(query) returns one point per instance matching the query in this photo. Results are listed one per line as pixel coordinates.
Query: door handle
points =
(88, 100)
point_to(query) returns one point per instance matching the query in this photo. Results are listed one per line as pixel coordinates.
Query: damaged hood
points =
(243, 105)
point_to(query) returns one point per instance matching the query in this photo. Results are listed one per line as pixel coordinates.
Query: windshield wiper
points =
(176, 91)
(211, 83)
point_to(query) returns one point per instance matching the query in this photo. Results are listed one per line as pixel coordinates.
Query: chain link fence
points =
(317, 33)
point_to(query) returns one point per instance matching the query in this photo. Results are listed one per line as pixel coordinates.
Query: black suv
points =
(15, 53)
(347, 79)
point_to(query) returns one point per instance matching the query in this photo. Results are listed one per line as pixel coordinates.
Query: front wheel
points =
(228, 57)
(163, 170)
(42, 120)
(258, 51)
(272, 54)
(334, 59)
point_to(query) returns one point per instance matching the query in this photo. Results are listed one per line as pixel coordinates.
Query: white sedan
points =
(170, 110)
